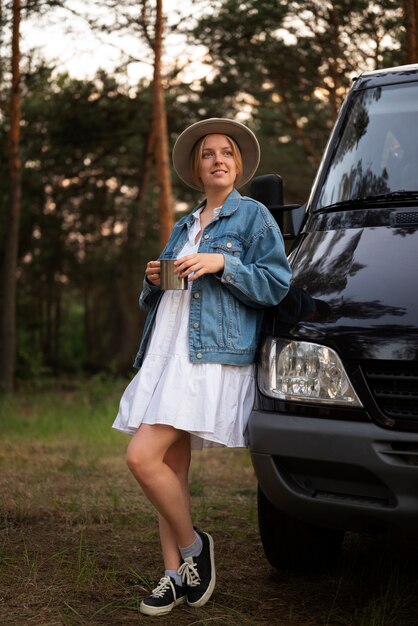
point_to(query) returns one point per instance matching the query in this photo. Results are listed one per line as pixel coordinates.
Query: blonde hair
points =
(196, 156)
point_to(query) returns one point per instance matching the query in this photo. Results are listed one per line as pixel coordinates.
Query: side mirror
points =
(268, 190)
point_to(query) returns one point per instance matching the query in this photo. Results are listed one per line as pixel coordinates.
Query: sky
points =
(68, 41)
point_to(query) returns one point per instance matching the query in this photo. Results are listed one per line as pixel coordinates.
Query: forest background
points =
(86, 196)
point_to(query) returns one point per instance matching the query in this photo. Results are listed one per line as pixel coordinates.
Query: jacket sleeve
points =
(261, 279)
(148, 295)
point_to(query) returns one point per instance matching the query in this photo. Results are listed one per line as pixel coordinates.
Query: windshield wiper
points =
(392, 197)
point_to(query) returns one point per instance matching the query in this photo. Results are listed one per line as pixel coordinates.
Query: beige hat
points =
(243, 136)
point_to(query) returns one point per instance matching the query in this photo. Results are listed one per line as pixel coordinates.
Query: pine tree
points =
(8, 319)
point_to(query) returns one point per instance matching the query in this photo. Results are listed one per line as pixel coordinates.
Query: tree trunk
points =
(2, 103)
(157, 150)
(411, 26)
(126, 281)
(161, 133)
(8, 322)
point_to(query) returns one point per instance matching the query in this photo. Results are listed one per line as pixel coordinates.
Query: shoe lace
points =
(189, 574)
(162, 587)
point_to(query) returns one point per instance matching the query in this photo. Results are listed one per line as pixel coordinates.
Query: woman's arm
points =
(262, 278)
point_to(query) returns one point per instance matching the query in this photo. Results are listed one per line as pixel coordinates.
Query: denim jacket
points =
(227, 308)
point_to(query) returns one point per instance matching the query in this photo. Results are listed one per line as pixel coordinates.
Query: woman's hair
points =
(196, 156)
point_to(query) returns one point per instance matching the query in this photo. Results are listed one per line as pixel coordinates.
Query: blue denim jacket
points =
(226, 309)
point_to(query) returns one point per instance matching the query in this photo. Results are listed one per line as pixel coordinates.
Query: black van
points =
(334, 435)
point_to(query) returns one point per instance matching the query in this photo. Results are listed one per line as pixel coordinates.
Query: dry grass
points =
(78, 541)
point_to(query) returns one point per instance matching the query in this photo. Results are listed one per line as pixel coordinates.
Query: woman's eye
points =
(210, 155)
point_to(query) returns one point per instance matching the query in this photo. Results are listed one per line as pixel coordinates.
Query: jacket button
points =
(229, 244)
(228, 278)
(199, 355)
(196, 325)
(196, 295)
(206, 237)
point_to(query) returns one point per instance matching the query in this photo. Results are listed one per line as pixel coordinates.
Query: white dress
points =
(211, 401)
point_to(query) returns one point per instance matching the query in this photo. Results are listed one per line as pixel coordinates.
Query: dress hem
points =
(204, 438)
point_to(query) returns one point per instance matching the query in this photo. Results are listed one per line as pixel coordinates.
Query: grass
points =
(78, 541)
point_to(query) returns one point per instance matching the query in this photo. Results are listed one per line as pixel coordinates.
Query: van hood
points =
(364, 287)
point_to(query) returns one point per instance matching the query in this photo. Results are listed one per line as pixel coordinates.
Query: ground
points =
(78, 542)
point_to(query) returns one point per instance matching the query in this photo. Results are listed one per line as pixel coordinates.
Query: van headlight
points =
(304, 371)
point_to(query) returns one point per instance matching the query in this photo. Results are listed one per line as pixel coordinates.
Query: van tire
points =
(291, 544)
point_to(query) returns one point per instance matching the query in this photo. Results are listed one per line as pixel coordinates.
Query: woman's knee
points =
(152, 446)
(138, 462)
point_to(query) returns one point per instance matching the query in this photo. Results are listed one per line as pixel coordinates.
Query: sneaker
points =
(198, 573)
(166, 595)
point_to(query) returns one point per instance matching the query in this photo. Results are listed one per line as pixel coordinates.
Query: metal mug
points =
(168, 279)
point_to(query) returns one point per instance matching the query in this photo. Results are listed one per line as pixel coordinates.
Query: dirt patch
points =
(78, 545)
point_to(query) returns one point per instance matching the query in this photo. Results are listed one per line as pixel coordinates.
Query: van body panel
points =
(367, 280)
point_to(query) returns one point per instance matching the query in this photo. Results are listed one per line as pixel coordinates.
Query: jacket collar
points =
(229, 206)
(231, 203)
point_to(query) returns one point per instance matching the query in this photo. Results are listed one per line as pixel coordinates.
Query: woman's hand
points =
(199, 264)
(152, 272)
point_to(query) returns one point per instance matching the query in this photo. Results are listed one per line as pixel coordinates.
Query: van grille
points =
(395, 389)
(404, 218)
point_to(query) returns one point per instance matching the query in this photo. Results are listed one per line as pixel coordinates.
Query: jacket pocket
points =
(228, 244)
(226, 314)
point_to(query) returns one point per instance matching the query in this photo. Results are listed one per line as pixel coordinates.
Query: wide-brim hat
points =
(243, 136)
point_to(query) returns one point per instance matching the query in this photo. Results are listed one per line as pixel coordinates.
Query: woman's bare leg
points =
(154, 458)
(178, 458)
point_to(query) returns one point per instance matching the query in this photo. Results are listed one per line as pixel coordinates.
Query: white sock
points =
(193, 550)
(174, 575)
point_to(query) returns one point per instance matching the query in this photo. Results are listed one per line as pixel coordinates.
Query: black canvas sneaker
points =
(198, 573)
(163, 598)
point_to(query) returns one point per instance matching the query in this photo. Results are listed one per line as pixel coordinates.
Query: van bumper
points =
(342, 474)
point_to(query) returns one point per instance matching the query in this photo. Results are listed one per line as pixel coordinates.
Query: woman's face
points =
(218, 169)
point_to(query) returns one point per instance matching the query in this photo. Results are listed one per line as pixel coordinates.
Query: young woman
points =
(196, 384)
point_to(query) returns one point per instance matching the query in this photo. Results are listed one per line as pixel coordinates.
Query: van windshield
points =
(377, 151)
